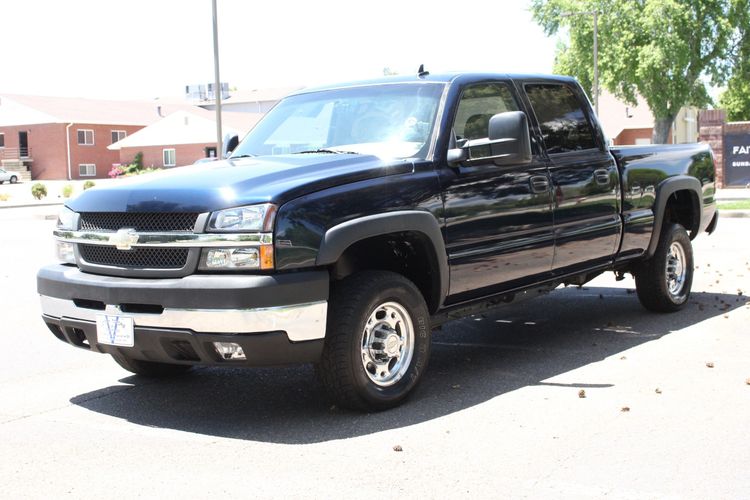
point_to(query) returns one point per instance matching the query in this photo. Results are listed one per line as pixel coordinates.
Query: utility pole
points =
(217, 84)
(595, 14)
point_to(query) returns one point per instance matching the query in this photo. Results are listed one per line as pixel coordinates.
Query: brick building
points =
(181, 138)
(67, 138)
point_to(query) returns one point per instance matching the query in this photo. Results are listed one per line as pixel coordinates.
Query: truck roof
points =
(438, 78)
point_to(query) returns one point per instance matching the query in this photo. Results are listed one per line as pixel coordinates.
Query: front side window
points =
(393, 120)
(477, 105)
(562, 121)
(170, 157)
(85, 137)
(87, 170)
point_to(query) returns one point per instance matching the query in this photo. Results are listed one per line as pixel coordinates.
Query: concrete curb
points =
(734, 214)
(31, 205)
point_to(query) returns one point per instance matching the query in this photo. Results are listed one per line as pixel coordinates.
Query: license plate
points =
(115, 330)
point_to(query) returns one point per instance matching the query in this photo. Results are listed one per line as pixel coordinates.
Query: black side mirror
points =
(509, 138)
(508, 142)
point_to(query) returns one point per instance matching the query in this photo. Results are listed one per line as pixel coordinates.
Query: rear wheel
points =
(377, 341)
(13, 179)
(663, 282)
(149, 369)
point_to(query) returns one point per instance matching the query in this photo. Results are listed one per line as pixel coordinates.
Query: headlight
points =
(67, 219)
(243, 219)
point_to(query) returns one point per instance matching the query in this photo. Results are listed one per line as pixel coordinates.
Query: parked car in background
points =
(8, 176)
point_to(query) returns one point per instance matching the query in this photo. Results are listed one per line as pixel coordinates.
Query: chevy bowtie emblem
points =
(124, 239)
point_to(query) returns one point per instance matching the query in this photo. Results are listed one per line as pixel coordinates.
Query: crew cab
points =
(354, 219)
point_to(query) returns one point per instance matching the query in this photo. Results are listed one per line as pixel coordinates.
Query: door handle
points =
(539, 183)
(602, 176)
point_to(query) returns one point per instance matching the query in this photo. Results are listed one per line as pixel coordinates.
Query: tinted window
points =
(561, 118)
(477, 105)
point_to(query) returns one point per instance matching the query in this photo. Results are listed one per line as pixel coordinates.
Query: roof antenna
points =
(421, 72)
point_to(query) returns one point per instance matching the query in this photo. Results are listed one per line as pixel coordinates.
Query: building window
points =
(2, 140)
(118, 135)
(87, 170)
(85, 137)
(170, 158)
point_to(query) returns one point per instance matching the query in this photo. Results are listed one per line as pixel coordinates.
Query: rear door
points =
(585, 183)
(498, 218)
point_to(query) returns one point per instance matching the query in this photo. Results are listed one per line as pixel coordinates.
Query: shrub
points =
(88, 184)
(4, 197)
(116, 171)
(67, 190)
(38, 190)
(143, 171)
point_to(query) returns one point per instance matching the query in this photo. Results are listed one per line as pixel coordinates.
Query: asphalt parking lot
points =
(499, 413)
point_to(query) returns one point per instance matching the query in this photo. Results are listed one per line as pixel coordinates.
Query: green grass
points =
(735, 205)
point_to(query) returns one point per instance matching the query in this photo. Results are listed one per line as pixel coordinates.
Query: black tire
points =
(13, 179)
(663, 282)
(2, 182)
(382, 298)
(149, 369)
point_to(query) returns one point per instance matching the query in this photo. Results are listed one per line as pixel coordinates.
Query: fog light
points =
(229, 350)
(66, 252)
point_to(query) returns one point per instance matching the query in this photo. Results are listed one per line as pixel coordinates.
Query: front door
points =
(499, 229)
(23, 144)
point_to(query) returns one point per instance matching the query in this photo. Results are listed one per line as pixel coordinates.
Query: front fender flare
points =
(340, 237)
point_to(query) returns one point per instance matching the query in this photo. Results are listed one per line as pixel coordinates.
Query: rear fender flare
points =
(666, 189)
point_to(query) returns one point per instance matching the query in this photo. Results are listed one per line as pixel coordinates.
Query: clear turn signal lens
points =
(237, 258)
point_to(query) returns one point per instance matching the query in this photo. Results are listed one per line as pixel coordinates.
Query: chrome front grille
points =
(137, 258)
(142, 222)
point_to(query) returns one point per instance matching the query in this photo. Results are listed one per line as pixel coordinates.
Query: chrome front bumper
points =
(301, 322)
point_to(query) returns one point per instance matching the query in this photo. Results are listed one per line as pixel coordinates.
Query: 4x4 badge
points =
(124, 239)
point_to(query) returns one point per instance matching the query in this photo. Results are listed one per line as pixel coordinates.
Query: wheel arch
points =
(416, 227)
(678, 199)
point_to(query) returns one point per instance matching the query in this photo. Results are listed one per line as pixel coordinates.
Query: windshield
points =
(393, 120)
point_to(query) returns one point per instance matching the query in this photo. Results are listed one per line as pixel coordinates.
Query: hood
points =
(231, 183)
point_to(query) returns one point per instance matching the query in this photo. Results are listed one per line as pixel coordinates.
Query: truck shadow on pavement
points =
(473, 360)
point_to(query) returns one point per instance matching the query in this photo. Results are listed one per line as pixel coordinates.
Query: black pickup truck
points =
(354, 219)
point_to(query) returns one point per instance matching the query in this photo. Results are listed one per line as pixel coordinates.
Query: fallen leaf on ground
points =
(710, 364)
(581, 393)
(657, 391)
(625, 408)
(398, 448)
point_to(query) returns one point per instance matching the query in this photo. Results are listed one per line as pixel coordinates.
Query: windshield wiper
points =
(329, 151)
(241, 156)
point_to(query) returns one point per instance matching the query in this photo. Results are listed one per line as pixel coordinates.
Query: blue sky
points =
(150, 48)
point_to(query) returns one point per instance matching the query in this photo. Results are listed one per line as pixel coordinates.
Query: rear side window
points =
(561, 118)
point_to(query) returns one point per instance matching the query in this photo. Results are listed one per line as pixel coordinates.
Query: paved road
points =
(498, 414)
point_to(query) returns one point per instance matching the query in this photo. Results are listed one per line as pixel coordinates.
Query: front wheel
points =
(377, 341)
(663, 282)
(149, 369)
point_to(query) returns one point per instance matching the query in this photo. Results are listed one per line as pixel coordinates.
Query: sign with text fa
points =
(737, 159)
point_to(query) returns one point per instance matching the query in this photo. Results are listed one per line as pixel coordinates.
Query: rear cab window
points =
(562, 120)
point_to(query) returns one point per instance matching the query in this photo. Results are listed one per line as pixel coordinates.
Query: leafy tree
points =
(660, 49)
(736, 98)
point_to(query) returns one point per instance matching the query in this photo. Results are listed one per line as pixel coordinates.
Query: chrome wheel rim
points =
(387, 344)
(676, 268)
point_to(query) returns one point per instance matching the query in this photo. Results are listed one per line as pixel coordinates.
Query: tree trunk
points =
(662, 126)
